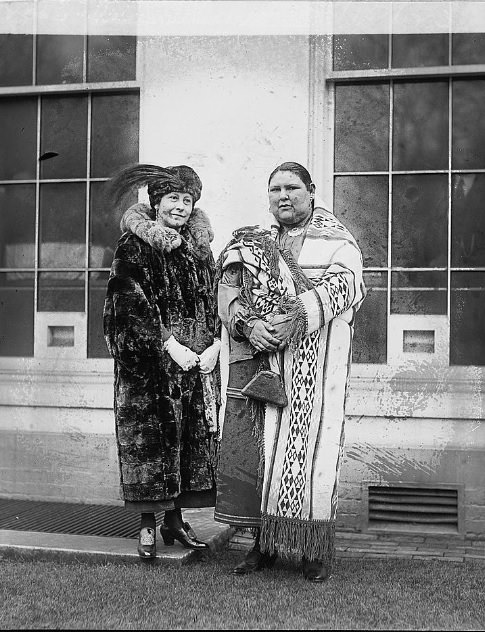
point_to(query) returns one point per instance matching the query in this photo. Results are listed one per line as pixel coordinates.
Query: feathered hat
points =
(158, 180)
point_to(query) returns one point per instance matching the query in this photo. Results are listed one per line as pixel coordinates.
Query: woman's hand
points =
(282, 328)
(208, 357)
(183, 356)
(262, 337)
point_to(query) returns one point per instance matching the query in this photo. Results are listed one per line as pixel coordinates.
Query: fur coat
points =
(165, 443)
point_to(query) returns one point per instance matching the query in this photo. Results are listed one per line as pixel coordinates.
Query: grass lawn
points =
(361, 595)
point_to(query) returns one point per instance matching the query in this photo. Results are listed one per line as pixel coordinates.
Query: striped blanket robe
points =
(301, 443)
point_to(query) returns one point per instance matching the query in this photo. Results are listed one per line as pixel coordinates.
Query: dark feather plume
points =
(135, 177)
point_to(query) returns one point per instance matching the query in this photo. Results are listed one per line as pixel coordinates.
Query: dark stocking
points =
(173, 519)
(148, 520)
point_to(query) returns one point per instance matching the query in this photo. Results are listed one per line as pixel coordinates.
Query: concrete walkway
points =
(31, 544)
(56, 546)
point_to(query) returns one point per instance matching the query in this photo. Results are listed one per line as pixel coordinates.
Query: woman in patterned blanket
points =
(287, 299)
(160, 325)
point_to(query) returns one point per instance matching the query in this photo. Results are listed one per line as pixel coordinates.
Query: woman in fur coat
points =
(161, 328)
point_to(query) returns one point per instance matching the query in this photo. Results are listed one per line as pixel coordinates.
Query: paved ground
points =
(357, 545)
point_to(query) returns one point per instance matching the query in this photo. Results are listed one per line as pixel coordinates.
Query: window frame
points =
(61, 379)
(399, 389)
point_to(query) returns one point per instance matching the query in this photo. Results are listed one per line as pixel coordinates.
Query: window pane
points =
(18, 125)
(418, 50)
(467, 333)
(17, 314)
(352, 52)
(361, 202)
(17, 225)
(59, 59)
(64, 126)
(468, 48)
(419, 293)
(468, 220)
(361, 127)
(420, 125)
(114, 133)
(98, 282)
(111, 58)
(62, 225)
(16, 60)
(61, 292)
(370, 336)
(419, 220)
(105, 225)
(468, 151)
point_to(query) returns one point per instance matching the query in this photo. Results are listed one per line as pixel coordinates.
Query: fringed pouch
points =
(266, 386)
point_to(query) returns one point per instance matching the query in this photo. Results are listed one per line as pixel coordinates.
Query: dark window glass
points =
(59, 59)
(16, 60)
(98, 282)
(18, 124)
(468, 220)
(17, 225)
(467, 332)
(361, 202)
(61, 292)
(370, 336)
(17, 314)
(362, 127)
(468, 48)
(64, 132)
(419, 221)
(420, 126)
(418, 293)
(62, 225)
(114, 133)
(105, 225)
(418, 50)
(111, 58)
(468, 148)
(360, 52)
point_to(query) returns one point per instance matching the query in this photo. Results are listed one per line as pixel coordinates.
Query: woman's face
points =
(174, 209)
(289, 199)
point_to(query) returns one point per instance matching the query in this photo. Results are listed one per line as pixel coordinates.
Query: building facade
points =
(390, 125)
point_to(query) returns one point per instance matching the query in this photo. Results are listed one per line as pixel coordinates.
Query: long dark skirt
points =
(238, 500)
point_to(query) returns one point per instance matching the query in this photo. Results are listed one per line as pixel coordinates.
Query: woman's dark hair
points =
(295, 168)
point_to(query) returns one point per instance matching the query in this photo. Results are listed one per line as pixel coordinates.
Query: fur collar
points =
(197, 232)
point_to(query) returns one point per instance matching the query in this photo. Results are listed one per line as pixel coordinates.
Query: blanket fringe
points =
(314, 539)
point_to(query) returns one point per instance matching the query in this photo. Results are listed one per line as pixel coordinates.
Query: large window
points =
(61, 141)
(409, 181)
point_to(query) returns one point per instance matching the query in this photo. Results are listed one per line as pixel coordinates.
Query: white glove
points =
(183, 356)
(208, 357)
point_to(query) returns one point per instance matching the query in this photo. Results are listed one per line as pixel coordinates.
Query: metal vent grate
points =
(70, 518)
(413, 506)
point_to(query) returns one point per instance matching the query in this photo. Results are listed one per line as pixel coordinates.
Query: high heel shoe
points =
(147, 546)
(170, 534)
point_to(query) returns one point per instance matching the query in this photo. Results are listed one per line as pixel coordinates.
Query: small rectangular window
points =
(60, 336)
(418, 341)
